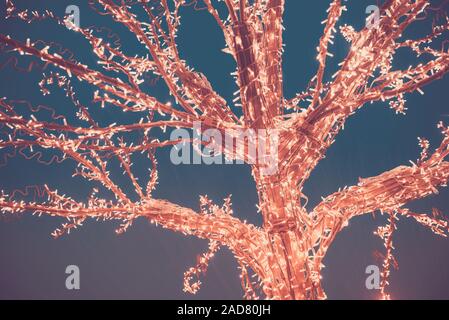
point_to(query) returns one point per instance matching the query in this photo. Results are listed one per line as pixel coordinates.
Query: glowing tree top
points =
(284, 254)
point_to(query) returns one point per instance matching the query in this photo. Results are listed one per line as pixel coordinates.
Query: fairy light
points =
(282, 259)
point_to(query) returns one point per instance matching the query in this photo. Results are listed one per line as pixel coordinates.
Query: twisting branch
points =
(387, 192)
(386, 234)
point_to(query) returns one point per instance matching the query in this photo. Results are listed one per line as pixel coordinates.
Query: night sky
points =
(148, 262)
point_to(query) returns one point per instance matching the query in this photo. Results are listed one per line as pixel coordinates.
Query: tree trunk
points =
(290, 267)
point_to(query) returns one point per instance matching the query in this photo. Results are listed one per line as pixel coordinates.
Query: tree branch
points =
(387, 192)
(242, 238)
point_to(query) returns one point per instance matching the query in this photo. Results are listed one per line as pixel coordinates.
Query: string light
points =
(282, 259)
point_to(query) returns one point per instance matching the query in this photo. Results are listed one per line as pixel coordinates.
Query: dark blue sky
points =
(148, 262)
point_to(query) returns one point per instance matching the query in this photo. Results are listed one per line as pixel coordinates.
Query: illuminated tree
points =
(285, 254)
